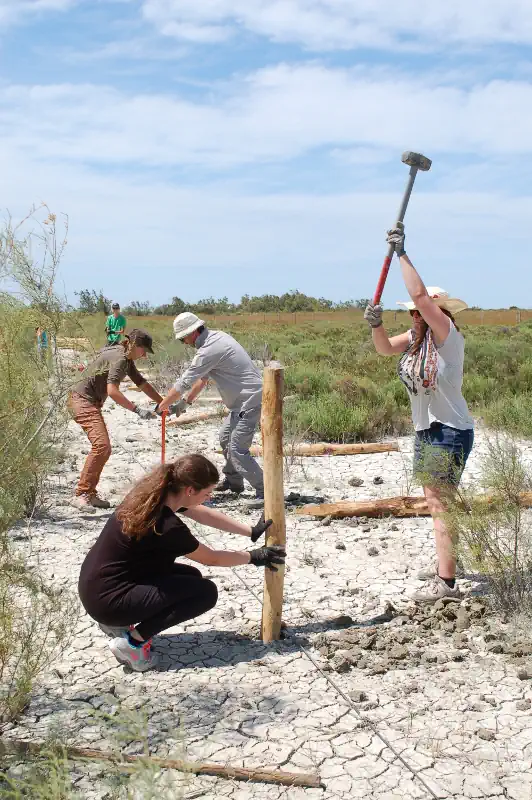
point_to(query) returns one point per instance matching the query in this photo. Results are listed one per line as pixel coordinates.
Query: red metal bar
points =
(163, 435)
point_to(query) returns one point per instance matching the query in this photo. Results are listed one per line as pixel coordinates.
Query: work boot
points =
(90, 501)
(225, 486)
(140, 658)
(98, 502)
(82, 501)
(436, 589)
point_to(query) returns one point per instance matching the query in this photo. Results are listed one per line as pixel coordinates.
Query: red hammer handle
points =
(382, 278)
(163, 436)
(400, 217)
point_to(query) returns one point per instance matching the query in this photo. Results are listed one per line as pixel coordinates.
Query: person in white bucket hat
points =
(431, 368)
(239, 382)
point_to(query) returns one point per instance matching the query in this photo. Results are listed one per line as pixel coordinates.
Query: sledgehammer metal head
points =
(416, 160)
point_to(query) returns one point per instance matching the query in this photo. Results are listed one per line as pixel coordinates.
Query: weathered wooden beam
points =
(23, 749)
(272, 442)
(186, 419)
(401, 506)
(334, 449)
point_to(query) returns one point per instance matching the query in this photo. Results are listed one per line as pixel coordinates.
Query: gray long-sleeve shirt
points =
(223, 359)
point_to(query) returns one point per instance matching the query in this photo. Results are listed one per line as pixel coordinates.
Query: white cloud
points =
(344, 24)
(272, 115)
(153, 240)
(15, 10)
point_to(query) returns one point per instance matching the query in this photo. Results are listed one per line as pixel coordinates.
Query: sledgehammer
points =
(416, 162)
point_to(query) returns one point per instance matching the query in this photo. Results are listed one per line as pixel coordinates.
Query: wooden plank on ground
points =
(401, 506)
(20, 748)
(334, 449)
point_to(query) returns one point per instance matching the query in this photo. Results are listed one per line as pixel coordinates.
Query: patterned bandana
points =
(419, 371)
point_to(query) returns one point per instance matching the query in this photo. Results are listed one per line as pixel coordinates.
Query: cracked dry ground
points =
(432, 703)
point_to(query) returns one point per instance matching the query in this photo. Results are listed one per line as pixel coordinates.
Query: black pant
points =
(162, 602)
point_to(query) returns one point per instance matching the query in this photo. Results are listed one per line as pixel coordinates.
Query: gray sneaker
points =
(436, 589)
(254, 502)
(430, 572)
(140, 659)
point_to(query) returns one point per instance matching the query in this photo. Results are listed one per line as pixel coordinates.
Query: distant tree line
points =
(92, 302)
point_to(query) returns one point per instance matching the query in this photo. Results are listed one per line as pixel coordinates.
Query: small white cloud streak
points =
(13, 11)
(345, 24)
(275, 114)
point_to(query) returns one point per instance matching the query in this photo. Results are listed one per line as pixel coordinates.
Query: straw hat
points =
(451, 304)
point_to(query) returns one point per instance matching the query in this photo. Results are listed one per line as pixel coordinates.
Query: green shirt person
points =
(115, 325)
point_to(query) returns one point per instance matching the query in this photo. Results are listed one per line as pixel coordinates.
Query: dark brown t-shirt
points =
(110, 366)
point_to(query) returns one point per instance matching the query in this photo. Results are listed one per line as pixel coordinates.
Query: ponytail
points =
(141, 507)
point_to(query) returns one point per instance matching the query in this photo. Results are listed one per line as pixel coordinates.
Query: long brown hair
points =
(140, 508)
(420, 335)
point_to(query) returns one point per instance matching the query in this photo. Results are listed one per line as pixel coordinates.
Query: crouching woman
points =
(129, 581)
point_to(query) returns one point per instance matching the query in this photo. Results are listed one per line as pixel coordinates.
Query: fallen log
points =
(23, 749)
(332, 449)
(184, 419)
(401, 506)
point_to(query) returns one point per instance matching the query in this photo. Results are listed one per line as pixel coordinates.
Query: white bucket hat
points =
(451, 304)
(186, 323)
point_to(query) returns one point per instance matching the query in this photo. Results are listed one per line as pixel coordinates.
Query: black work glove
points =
(258, 529)
(268, 556)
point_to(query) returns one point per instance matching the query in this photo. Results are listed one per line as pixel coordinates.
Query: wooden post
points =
(272, 447)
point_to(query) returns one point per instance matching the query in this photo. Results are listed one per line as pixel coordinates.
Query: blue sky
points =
(221, 147)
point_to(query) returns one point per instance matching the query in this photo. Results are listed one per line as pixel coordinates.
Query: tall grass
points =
(345, 391)
(35, 618)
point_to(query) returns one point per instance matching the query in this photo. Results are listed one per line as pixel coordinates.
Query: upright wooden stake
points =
(272, 447)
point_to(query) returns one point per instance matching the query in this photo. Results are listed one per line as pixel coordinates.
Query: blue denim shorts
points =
(440, 454)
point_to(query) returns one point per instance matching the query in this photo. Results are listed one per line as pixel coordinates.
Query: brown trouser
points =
(90, 417)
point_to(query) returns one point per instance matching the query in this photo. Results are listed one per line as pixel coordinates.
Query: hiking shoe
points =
(87, 502)
(436, 589)
(98, 502)
(115, 633)
(81, 501)
(225, 486)
(140, 659)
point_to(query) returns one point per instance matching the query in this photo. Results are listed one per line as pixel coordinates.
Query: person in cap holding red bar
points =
(102, 380)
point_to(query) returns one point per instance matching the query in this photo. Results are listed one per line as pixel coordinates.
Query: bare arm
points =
(219, 558)
(431, 313)
(215, 519)
(172, 397)
(389, 346)
(115, 394)
(148, 390)
(198, 387)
